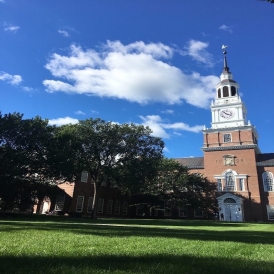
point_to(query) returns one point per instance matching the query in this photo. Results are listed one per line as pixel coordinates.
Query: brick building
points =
(232, 158)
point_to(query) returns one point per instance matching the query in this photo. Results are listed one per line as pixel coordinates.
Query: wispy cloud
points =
(167, 111)
(63, 121)
(11, 79)
(64, 33)
(137, 72)
(2, 1)
(11, 28)
(79, 112)
(226, 28)
(94, 111)
(197, 50)
(164, 129)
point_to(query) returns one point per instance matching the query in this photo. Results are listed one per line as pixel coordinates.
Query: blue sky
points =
(149, 62)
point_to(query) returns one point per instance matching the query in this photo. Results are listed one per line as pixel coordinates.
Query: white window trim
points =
(84, 177)
(60, 202)
(109, 204)
(89, 206)
(77, 209)
(270, 210)
(100, 206)
(264, 183)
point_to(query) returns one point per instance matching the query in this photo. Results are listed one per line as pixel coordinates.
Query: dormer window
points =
(225, 91)
(233, 91)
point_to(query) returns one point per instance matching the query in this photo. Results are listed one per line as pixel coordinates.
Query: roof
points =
(191, 162)
(265, 159)
(228, 81)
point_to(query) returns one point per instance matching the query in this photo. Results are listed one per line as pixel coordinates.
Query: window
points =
(60, 201)
(241, 184)
(270, 212)
(198, 213)
(79, 204)
(230, 181)
(125, 208)
(90, 202)
(219, 93)
(268, 181)
(219, 185)
(225, 91)
(227, 138)
(100, 207)
(117, 207)
(233, 91)
(140, 210)
(167, 212)
(84, 177)
(182, 211)
(109, 206)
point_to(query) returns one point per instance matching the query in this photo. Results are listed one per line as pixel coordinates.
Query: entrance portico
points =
(231, 208)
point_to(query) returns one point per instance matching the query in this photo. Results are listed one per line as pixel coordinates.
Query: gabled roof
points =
(191, 162)
(265, 159)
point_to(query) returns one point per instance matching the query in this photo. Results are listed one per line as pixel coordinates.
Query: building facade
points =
(232, 158)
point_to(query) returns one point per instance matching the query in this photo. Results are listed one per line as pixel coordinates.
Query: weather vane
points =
(224, 49)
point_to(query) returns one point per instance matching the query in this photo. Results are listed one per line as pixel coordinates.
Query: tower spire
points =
(226, 68)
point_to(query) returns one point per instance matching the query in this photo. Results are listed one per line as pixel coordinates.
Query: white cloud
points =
(27, 88)
(134, 72)
(11, 79)
(94, 111)
(160, 128)
(79, 112)
(64, 33)
(197, 50)
(226, 28)
(63, 121)
(168, 111)
(2, 1)
(12, 28)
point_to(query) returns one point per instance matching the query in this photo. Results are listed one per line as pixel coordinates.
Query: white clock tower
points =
(227, 109)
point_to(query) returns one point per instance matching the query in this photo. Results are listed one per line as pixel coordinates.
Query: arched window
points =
(268, 181)
(225, 91)
(229, 201)
(233, 91)
(230, 181)
(219, 93)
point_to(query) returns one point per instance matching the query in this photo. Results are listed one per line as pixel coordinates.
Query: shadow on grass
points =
(160, 264)
(126, 229)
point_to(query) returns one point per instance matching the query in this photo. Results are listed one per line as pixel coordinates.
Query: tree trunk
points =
(95, 202)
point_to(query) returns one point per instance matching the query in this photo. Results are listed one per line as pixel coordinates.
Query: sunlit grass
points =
(62, 245)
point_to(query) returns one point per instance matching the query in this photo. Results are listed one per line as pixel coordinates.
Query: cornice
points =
(232, 148)
(264, 164)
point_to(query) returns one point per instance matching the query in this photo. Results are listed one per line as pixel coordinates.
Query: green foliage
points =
(176, 187)
(27, 170)
(120, 155)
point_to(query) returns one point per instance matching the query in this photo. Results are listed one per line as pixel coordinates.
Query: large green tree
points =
(124, 155)
(27, 160)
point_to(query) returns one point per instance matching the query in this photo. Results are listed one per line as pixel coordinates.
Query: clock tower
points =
(229, 126)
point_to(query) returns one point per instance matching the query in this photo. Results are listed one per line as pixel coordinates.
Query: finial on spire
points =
(226, 68)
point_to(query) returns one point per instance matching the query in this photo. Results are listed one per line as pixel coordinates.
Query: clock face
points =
(227, 113)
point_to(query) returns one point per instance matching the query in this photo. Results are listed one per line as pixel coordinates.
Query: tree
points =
(119, 155)
(27, 170)
(176, 187)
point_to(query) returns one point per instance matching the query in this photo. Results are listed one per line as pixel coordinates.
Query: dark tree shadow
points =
(158, 264)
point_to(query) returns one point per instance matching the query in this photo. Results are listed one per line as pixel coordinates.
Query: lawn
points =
(50, 244)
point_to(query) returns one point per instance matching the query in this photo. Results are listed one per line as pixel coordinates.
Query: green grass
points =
(49, 244)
